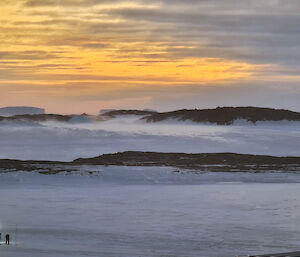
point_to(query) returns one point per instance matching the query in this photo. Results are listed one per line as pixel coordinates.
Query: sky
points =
(74, 56)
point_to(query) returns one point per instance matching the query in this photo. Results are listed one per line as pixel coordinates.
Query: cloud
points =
(72, 3)
(27, 55)
(171, 45)
(258, 37)
(251, 31)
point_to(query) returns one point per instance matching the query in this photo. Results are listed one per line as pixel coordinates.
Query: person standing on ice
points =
(7, 239)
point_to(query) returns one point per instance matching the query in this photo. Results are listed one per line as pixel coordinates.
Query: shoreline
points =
(204, 162)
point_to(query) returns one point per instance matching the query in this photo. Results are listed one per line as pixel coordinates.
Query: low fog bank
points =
(66, 141)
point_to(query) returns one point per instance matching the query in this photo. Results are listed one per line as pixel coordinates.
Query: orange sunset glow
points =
(87, 55)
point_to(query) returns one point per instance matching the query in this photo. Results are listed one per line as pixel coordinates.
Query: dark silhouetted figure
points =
(7, 239)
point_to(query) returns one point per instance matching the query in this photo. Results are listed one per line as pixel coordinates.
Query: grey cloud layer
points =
(257, 37)
(256, 31)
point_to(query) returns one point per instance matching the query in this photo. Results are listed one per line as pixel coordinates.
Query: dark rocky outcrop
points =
(219, 116)
(114, 113)
(192, 161)
(214, 162)
(39, 117)
(226, 115)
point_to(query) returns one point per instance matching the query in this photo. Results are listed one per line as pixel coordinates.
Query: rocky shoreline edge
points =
(203, 162)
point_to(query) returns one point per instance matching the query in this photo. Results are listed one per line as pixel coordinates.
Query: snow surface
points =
(149, 212)
(126, 211)
(67, 141)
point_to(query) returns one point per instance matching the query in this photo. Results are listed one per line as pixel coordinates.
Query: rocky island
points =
(226, 115)
(206, 162)
(218, 116)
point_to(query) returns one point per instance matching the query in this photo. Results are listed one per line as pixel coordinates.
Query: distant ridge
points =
(82, 118)
(39, 117)
(20, 110)
(219, 116)
(226, 115)
(114, 113)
